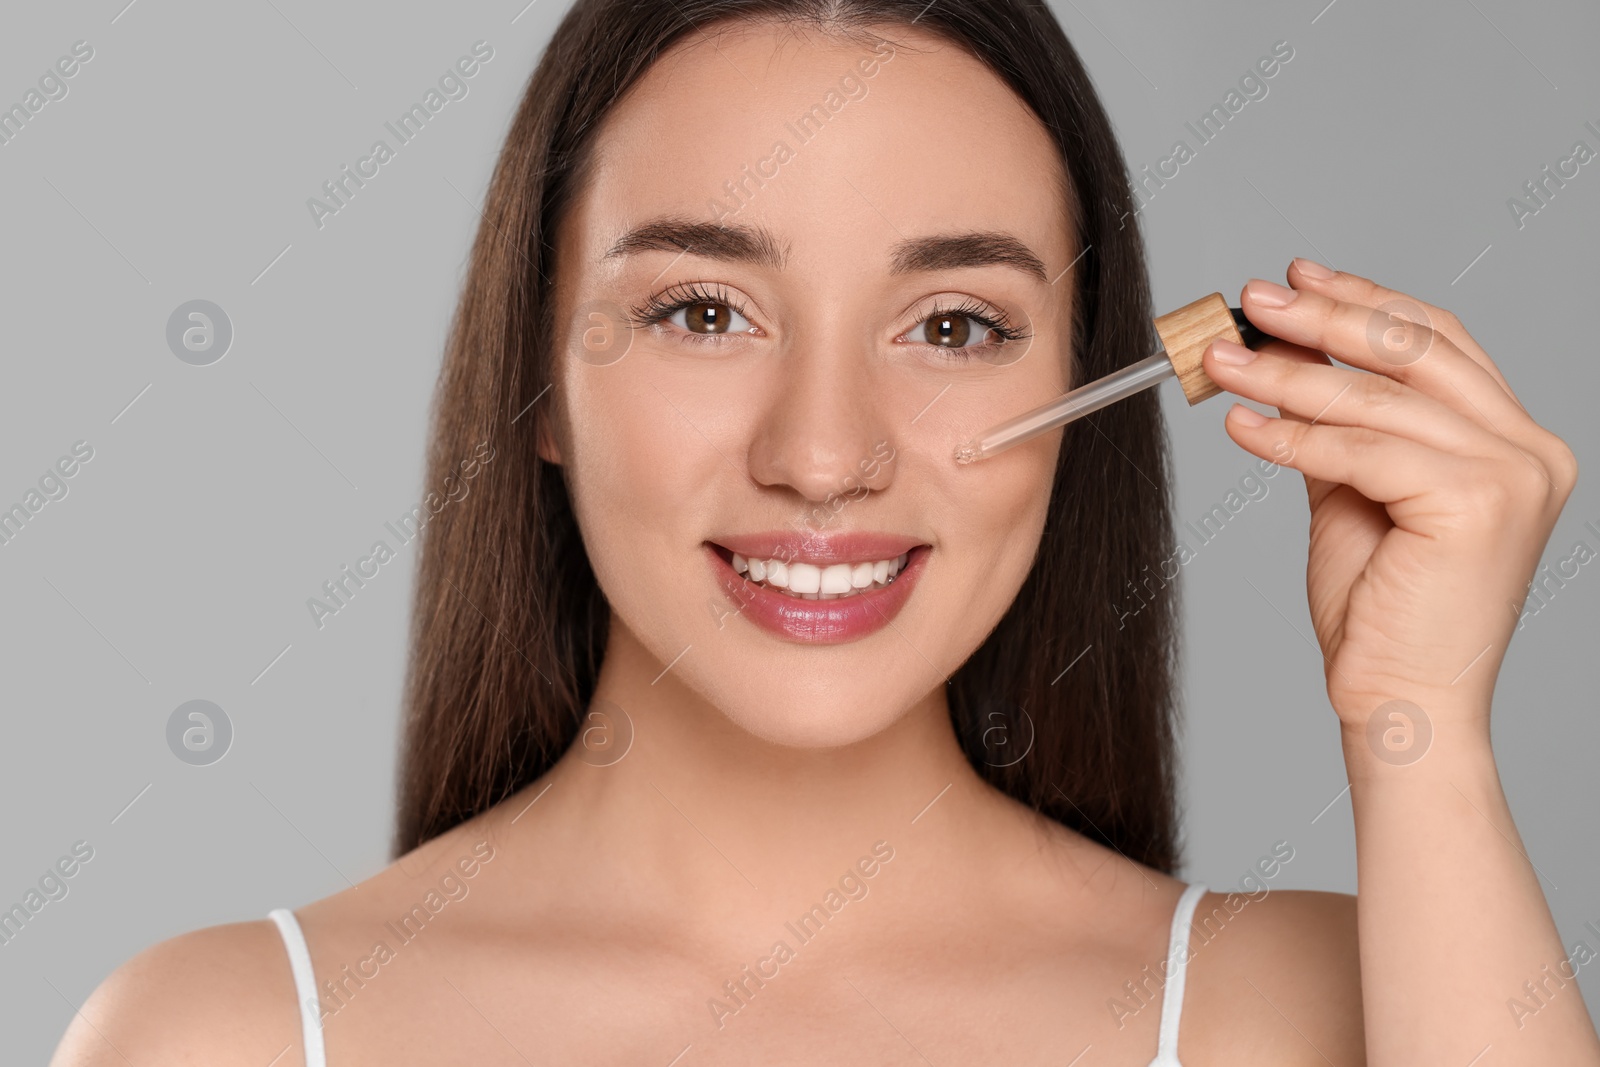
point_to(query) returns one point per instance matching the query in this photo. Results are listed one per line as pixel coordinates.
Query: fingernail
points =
(1246, 416)
(1228, 352)
(1312, 269)
(1269, 295)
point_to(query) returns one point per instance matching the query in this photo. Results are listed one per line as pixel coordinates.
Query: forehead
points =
(828, 144)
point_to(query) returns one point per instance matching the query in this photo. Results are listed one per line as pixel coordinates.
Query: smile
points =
(808, 581)
(816, 590)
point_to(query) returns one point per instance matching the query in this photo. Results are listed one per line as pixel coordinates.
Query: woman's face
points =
(835, 241)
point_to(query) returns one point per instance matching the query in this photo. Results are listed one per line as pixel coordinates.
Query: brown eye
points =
(947, 331)
(707, 317)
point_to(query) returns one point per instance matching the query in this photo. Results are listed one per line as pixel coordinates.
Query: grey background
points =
(178, 565)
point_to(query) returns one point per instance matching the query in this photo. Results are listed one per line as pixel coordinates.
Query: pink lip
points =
(822, 622)
(793, 547)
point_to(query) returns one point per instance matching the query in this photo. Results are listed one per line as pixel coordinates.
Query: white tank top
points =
(1177, 965)
(305, 983)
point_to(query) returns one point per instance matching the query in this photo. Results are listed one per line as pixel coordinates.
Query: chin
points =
(847, 712)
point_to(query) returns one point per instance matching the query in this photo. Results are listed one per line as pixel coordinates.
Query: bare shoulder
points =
(225, 994)
(221, 995)
(1275, 978)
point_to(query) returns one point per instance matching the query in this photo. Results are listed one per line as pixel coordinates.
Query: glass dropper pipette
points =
(1184, 335)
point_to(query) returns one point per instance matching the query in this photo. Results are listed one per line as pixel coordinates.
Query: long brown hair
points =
(509, 624)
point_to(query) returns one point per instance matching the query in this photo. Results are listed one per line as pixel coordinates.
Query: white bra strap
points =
(305, 985)
(1178, 961)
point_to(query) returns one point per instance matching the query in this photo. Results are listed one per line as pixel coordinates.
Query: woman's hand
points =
(1432, 490)
(1432, 496)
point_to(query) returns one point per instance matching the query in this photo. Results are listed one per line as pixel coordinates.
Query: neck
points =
(720, 822)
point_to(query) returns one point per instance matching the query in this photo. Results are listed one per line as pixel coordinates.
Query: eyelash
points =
(674, 299)
(995, 320)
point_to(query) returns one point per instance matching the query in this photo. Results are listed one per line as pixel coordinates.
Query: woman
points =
(744, 725)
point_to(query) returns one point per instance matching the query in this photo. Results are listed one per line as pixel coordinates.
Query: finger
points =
(1379, 466)
(1316, 488)
(1409, 353)
(1341, 285)
(1550, 451)
(1342, 397)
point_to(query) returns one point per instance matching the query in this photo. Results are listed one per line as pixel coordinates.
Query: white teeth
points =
(805, 578)
(810, 581)
(836, 578)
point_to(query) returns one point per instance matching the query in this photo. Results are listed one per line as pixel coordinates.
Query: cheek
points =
(993, 511)
(987, 517)
(996, 511)
(632, 468)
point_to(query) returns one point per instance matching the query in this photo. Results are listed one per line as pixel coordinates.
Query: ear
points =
(548, 449)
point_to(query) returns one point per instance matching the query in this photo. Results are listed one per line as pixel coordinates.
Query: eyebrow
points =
(974, 249)
(758, 246)
(738, 244)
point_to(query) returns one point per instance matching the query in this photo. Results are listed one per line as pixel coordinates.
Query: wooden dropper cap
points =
(1185, 333)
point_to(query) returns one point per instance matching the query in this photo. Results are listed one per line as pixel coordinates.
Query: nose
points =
(824, 429)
